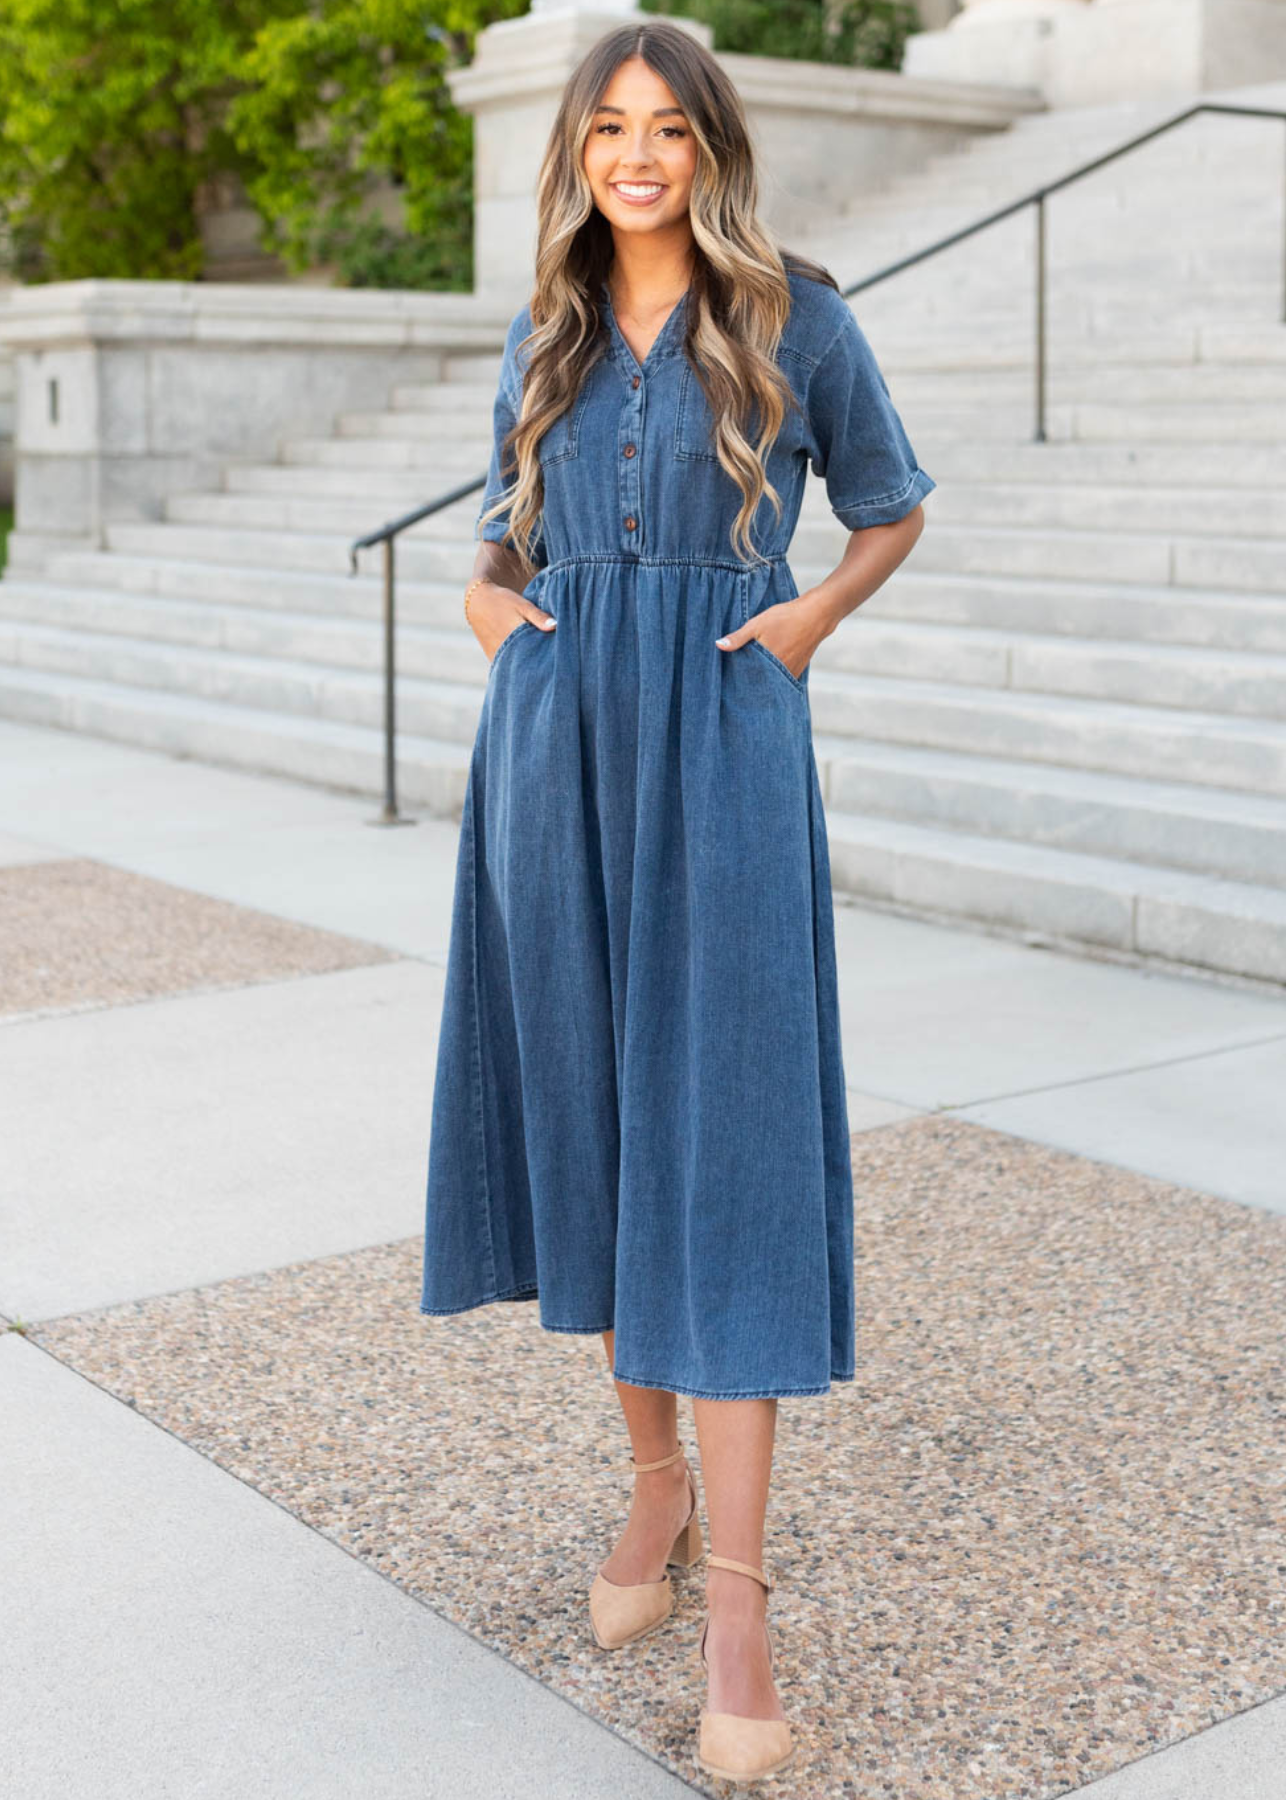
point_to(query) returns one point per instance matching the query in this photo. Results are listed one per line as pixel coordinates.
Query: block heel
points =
(620, 1614)
(689, 1546)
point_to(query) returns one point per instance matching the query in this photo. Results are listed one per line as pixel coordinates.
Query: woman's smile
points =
(638, 193)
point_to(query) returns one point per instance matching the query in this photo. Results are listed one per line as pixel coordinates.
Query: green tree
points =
(115, 114)
(111, 118)
(350, 94)
(869, 33)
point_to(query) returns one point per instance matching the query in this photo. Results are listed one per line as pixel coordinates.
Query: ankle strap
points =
(664, 1462)
(726, 1562)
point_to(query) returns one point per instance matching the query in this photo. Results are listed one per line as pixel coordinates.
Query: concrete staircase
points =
(1065, 717)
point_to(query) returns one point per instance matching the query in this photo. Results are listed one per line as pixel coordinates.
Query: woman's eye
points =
(609, 125)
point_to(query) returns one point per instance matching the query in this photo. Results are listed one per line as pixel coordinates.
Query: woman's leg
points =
(736, 1438)
(662, 1499)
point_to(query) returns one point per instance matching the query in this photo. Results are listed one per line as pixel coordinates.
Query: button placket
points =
(630, 462)
(629, 477)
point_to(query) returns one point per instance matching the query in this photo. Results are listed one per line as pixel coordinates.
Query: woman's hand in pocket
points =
(495, 611)
(792, 630)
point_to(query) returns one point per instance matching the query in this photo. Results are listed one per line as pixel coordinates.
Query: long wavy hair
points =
(737, 304)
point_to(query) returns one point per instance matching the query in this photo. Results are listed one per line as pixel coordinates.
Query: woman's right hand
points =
(495, 611)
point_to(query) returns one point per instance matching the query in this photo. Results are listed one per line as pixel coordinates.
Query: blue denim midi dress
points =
(638, 1114)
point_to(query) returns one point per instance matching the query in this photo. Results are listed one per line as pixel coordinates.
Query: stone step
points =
(1030, 505)
(1128, 217)
(941, 344)
(1062, 898)
(1044, 894)
(423, 557)
(441, 652)
(1204, 343)
(1086, 506)
(1145, 614)
(323, 465)
(1072, 464)
(1208, 420)
(965, 319)
(381, 487)
(1254, 386)
(301, 513)
(465, 451)
(1239, 564)
(1130, 189)
(1151, 742)
(297, 500)
(430, 773)
(1139, 613)
(1002, 417)
(1208, 831)
(1090, 422)
(1230, 683)
(286, 591)
(1235, 684)
(442, 710)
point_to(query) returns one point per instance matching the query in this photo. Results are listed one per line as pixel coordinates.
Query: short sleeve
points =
(504, 416)
(858, 441)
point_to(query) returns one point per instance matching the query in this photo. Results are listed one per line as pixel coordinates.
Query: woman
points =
(639, 1112)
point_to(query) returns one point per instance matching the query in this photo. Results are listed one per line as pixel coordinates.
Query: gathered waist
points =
(626, 559)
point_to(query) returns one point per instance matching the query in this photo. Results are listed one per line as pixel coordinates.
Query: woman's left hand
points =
(791, 629)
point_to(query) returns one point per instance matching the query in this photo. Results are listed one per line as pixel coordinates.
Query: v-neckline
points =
(661, 336)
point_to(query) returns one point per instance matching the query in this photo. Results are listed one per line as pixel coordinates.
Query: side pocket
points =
(774, 662)
(506, 640)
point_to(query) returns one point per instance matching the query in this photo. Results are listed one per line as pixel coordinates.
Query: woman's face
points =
(640, 140)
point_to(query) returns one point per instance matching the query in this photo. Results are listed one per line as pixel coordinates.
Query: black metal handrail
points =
(1036, 198)
(387, 534)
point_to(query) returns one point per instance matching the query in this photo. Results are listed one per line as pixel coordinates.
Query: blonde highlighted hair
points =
(736, 307)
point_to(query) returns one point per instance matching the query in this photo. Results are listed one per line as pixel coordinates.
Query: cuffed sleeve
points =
(504, 416)
(858, 442)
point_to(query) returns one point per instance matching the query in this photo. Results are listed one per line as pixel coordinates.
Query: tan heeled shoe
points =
(732, 1745)
(620, 1613)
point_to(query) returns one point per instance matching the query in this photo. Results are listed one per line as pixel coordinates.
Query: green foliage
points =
(110, 120)
(871, 34)
(115, 114)
(349, 93)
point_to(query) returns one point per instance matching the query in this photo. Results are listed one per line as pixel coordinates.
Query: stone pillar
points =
(1076, 53)
(1012, 41)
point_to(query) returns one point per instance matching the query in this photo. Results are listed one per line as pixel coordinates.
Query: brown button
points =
(629, 450)
(630, 521)
(634, 380)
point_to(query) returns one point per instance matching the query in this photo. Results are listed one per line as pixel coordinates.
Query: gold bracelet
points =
(473, 584)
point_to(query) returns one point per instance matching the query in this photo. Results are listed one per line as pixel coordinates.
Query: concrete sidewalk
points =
(217, 1083)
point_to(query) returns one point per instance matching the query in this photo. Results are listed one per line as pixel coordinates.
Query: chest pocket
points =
(562, 440)
(694, 428)
(693, 420)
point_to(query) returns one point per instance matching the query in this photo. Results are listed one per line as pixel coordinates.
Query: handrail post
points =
(1040, 318)
(389, 815)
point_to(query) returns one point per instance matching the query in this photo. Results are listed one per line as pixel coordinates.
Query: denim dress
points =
(638, 1115)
